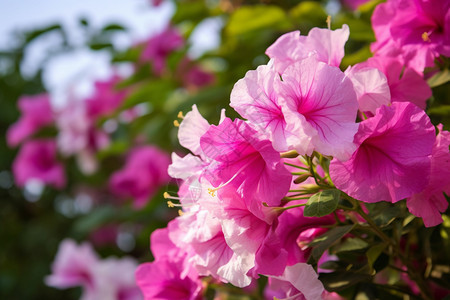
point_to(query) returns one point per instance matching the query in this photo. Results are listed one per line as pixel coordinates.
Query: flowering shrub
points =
(328, 179)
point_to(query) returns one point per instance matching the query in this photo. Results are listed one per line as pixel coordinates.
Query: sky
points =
(79, 69)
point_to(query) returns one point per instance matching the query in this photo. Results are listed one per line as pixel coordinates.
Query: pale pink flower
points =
(405, 83)
(79, 265)
(431, 202)
(327, 45)
(385, 167)
(145, 171)
(159, 47)
(319, 107)
(371, 87)
(298, 282)
(37, 160)
(36, 113)
(254, 97)
(416, 31)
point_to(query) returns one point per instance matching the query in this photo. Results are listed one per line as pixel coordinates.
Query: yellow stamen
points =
(329, 22)
(166, 195)
(426, 37)
(180, 212)
(180, 115)
(176, 123)
(170, 204)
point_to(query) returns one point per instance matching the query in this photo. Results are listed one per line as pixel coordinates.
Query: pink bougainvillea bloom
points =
(106, 98)
(431, 202)
(417, 31)
(242, 162)
(145, 171)
(298, 282)
(36, 113)
(159, 47)
(327, 45)
(354, 4)
(37, 161)
(254, 98)
(405, 83)
(385, 167)
(371, 88)
(319, 107)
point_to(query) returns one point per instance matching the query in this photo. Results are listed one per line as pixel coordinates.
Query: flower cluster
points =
(362, 135)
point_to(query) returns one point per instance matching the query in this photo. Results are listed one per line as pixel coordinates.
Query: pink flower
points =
(159, 47)
(417, 31)
(254, 97)
(106, 98)
(295, 232)
(354, 4)
(242, 162)
(327, 45)
(145, 171)
(319, 107)
(169, 276)
(192, 75)
(298, 282)
(429, 203)
(405, 84)
(78, 136)
(109, 279)
(73, 266)
(385, 167)
(37, 161)
(36, 113)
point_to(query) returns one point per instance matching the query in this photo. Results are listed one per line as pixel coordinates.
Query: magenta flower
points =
(319, 107)
(254, 97)
(385, 167)
(241, 162)
(298, 282)
(159, 47)
(327, 45)
(170, 276)
(429, 203)
(36, 113)
(145, 171)
(192, 75)
(354, 4)
(106, 98)
(37, 161)
(416, 31)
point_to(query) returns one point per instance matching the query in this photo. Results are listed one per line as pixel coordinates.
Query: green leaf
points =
(442, 110)
(373, 253)
(322, 203)
(325, 241)
(113, 27)
(337, 281)
(439, 78)
(386, 216)
(256, 17)
(351, 244)
(309, 12)
(192, 11)
(153, 92)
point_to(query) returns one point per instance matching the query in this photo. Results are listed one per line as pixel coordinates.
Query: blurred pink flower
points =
(145, 171)
(415, 31)
(192, 75)
(354, 4)
(108, 279)
(431, 202)
(385, 167)
(37, 160)
(36, 113)
(106, 98)
(159, 47)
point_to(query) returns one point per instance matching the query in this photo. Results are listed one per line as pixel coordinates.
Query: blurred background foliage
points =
(31, 228)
